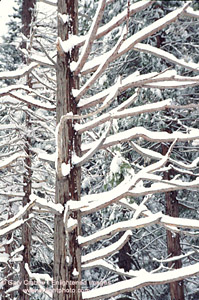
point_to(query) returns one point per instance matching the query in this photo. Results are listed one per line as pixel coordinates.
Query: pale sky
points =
(5, 11)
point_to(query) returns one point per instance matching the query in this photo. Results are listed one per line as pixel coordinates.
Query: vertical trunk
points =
(173, 240)
(27, 9)
(172, 208)
(8, 277)
(67, 271)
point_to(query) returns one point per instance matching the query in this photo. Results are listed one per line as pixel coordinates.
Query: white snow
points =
(65, 168)
(95, 255)
(120, 226)
(63, 17)
(18, 73)
(4, 257)
(168, 56)
(155, 136)
(69, 44)
(37, 276)
(141, 281)
(6, 162)
(41, 202)
(115, 164)
(75, 272)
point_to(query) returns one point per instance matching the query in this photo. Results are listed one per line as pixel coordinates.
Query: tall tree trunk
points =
(172, 207)
(8, 271)
(173, 240)
(27, 9)
(67, 264)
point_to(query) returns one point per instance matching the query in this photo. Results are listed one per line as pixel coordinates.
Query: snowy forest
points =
(99, 143)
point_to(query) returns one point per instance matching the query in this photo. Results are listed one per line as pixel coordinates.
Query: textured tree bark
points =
(67, 264)
(173, 240)
(27, 10)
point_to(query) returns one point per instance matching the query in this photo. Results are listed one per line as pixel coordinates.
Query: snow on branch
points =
(115, 22)
(102, 67)
(37, 276)
(31, 101)
(120, 18)
(107, 251)
(6, 162)
(112, 268)
(50, 2)
(129, 188)
(146, 152)
(90, 38)
(78, 161)
(118, 227)
(6, 90)
(153, 28)
(163, 187)
(152, 136)
(165, 55)
(191, 13)
(41, 279)
(156, 155)
(138, 37)
(42, 203)
(142, 281)
(18, 73)
(173, 224)
(16, 221)
(165, 79)
(114, 114)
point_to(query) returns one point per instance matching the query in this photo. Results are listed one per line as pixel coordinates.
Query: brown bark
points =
(27, 10)
(173, 240)
(66, 249)
(8, 277)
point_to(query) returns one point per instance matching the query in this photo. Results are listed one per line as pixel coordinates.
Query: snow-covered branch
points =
(102, 67)
(107, 251)
(31, 101)
(49, 205)
(118, 227)
(153, 136)
(165, 55)
(112, 268)
(163, 80)
(6, 162)
(142, 281)
(78, 161)
(191, 13)
(18, 73)
(138, 37)
(114, 114)
(90, 38)
(50, 2)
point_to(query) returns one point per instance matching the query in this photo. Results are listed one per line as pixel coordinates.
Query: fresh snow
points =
(155, 136)
(141, 281)
(63, 17)
(18, 73)
(65, 168)
(104, 252)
